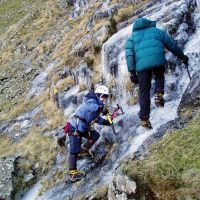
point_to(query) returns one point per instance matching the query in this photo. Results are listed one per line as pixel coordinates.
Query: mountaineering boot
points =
(85, 153)
(146, 124)
(75, 175)
(85, 150)
(159, 101)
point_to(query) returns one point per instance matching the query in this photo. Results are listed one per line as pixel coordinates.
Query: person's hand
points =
(106, 123)
(105, 111)
(185, 60)
(133, 77)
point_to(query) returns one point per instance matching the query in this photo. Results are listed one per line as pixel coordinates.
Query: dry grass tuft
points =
(59, 176)
(6, 147)
(38, 148)
(127, 12)
(34, 146)
(25, 106)
(65, 83)
(82, 87)
(54, 115)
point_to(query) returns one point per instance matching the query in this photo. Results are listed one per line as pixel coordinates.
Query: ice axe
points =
(114, 115)
(186, 66)
(115, 112)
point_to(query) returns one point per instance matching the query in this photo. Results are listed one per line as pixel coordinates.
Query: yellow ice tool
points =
(111, 123)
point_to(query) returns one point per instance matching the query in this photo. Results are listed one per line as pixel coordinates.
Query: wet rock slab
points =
(7, 167)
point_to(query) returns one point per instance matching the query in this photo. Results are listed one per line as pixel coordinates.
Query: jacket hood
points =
(142, 23)
(92, 95)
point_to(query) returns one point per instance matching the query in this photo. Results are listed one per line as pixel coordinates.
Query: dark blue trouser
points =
(145, 87)
(75, 145)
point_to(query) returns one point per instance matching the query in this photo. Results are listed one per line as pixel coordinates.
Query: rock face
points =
(7, 167)
(191, 97)
(14, 181)
(110, 149)
(121, 187)
(39, 84)
(104, 12)
(79, 7)
(129, 142)
(178, 23)
(19, 127)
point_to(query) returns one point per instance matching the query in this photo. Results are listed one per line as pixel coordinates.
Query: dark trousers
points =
(145, 87)
(75, 145)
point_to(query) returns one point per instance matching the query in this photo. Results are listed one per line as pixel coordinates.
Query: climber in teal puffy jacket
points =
(145, 54)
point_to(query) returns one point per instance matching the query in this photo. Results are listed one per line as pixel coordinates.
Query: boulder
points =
(191, 97)
(79, 7)
(7, 168)
(19, 127)
(39, 84)
(101, 34)
(121, 187)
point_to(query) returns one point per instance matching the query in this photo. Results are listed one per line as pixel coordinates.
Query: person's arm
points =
(130, 54)
(102, 121)
(130, 59)
(171, 45)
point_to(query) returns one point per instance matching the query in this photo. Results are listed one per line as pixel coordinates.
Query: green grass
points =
(11, 11)
(172, 171)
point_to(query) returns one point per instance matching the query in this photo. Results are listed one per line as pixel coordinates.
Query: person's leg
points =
(92, 137)
(144, 93)
(159, 85)
(75, 146)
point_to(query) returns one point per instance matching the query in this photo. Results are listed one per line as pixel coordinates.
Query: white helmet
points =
(103, 90)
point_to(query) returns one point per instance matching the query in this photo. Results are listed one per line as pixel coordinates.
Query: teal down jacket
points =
(145, 48)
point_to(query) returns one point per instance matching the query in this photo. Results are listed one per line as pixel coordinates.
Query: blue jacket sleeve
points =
(171, 45)
(130, 54)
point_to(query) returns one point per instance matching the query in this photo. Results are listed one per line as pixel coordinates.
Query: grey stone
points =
(121, 186)
(63, 4)
(79, 7)
(18, 128)
(101, 34)
(39, 84)
(29, 178)
(107, 12)
(17, 52)
(124, 184)
(191, 97)
(7, 168)
(104, 12)
(77, 47)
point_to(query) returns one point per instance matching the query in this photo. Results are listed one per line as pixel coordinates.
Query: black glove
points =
(105, 111)
(61, 140)
(133, 77)
(106, 123)
(185, 60)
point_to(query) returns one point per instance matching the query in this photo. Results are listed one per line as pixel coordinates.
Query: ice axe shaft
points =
(111, 122)
(114, 115)
(113, 128)
(188, 71)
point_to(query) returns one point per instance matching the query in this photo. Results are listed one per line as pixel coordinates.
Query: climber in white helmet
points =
(79, 126)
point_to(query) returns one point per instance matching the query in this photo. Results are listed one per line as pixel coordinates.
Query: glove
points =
(133, 77)
(61, 140)
(106, 123)
(105, 111)
(185, 60)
